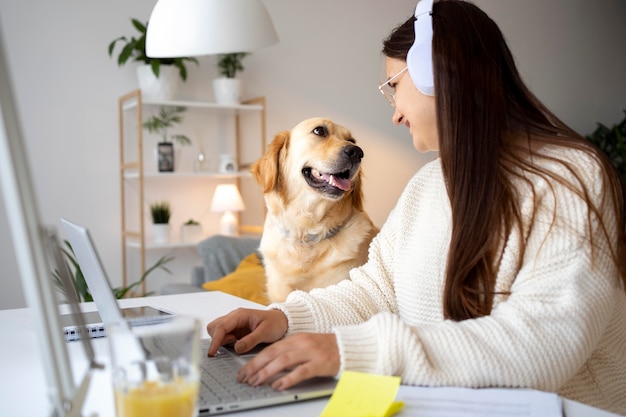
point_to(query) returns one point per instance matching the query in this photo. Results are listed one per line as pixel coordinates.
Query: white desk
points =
(22, 379)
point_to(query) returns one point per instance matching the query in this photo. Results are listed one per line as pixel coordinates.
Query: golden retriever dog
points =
(315, 230)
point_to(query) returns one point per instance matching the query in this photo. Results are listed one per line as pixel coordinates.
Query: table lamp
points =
(179, 28)
(227, 199)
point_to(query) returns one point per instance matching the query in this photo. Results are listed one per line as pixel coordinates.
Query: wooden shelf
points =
(187, 175)
(228, 108)
(134, 186)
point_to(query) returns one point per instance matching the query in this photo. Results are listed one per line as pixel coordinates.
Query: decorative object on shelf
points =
(228, 163)
(227, 200)
(167, 117)
(157, 76)
(612, 141)
(200, 164)
(84, 295)
(165, 156)
(227, 88)
(230, 28)
(161, 213)
(191, 232)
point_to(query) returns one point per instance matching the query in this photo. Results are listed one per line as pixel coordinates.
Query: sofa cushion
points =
(221, 254)
(246, 281)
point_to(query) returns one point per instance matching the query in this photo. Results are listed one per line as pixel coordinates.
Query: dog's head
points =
(316, 155)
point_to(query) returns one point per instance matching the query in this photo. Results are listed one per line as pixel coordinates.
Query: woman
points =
(499, 265)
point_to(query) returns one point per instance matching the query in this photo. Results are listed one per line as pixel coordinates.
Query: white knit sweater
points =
(561, 329)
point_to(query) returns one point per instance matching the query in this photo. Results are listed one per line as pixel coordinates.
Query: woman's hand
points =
(304, 356)
(246, 328)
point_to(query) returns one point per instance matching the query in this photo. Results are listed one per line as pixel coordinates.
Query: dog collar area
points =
(315, 237)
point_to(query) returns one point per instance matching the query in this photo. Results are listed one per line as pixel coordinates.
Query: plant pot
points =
(165, 156)
(160, 232)
(227, 90)
(162, 88)
(191, 233)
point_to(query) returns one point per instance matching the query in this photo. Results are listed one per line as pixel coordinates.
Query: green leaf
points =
(125, 54)
(156, 67)
(139, 26)
(181, 139)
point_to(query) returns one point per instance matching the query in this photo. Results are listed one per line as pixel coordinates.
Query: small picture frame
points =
(165, 157)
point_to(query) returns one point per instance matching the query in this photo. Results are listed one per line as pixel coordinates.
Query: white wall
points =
(326, 64)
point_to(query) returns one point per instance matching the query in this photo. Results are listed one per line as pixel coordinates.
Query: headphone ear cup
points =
(420, 56)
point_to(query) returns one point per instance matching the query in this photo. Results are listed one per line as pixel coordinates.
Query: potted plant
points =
(161, 213)
(191, 232)
(612, 141)
(227, 88)
(80, 285)
(157, 76)
(167, 117)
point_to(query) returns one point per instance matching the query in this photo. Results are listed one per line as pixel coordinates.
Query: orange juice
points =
(156, 399)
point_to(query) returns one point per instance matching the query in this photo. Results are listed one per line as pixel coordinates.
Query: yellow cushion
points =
(247, 281)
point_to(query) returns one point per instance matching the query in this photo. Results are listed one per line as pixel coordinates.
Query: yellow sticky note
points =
(364, 395)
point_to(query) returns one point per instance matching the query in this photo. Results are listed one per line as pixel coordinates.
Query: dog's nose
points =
(353, 152)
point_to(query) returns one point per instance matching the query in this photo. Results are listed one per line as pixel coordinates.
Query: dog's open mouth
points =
(334, 184)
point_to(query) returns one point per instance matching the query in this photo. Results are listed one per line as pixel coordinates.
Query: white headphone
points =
(420, 56)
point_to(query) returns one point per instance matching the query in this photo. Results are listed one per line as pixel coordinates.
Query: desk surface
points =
(22, 380)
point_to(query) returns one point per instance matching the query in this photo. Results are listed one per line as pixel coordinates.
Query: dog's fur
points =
(315, 228)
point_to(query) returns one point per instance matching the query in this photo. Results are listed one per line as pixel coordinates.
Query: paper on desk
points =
(363, 395)
(487, 402)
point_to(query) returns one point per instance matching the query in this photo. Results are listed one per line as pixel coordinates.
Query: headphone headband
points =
(420, 56)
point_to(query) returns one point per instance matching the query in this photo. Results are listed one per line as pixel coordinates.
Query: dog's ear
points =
(266, 170)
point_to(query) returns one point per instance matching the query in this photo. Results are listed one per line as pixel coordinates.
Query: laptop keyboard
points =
(219, 381)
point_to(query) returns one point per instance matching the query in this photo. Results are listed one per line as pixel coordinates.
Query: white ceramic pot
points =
(191, 233)
(228, 164)
(162, 88)
(227, 90)
(160, 232)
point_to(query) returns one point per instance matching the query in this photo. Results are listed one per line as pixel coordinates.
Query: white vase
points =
(162, 88)
(191, 233)
(160, 232)
(227, 90)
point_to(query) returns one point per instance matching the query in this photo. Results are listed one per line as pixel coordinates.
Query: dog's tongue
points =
(341, 183)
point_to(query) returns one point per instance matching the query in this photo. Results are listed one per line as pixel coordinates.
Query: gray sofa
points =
(220, 256)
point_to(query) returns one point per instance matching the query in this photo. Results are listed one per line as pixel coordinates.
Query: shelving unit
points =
(238, 130)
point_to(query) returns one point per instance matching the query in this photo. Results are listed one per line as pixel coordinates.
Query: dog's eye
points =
(320, 131)
(351, 140)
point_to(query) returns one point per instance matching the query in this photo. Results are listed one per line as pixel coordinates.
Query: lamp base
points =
(229, 226)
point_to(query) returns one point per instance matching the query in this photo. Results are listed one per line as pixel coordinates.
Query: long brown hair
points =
(482, 104)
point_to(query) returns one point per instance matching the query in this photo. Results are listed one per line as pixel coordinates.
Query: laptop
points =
(108, 311)
(219, 390)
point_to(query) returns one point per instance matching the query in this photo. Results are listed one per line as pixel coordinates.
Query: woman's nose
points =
(397, 118)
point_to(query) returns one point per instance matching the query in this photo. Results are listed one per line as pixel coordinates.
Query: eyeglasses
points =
(388, 91)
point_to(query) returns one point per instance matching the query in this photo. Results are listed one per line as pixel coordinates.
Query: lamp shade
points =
(227, 198)
(181, 28)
